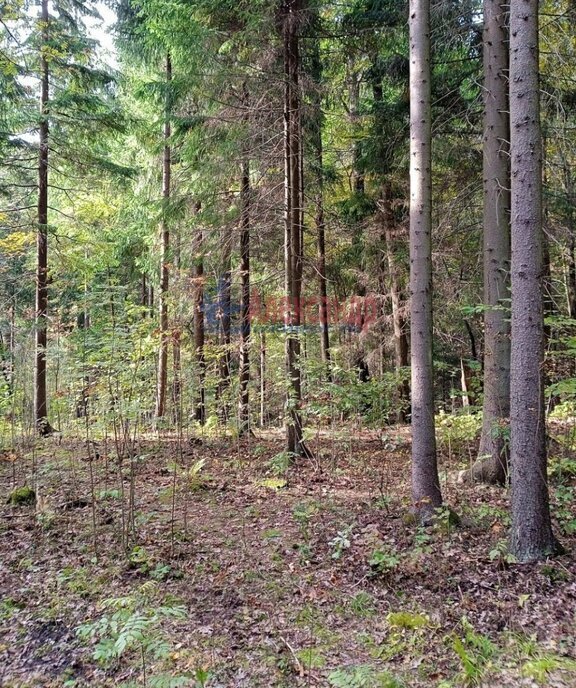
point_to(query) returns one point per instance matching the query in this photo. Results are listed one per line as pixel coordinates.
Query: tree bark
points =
(164, 255)
(245, 324)
(198, 278)
(492, 463)
(316, 137)
(224, 325)
(176, 347)
(293, 229)
(353, 78)
(426, 494)
(263, 415)
(399, 326)
(531, 536)
(572, 272)
(40, 391)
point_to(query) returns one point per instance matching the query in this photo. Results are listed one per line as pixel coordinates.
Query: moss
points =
(21, 496)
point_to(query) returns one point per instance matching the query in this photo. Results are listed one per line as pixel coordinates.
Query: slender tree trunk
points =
(571, 247)
(358, 189)
(531, 536)
(245, 324)
(358, 184)
(151, 300)
(40, 393)
(143, 294)
(401, 348)
(224, 324)
(426, 493)
(164, 257)
(176, 347)
(316, 137)
(263, 414)
(322, 285)
(492, 463)
(293, 229)
(198, 278)
(571, 287)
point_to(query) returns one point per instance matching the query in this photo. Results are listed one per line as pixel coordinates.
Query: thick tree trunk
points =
(293, 228)
(531, 536)
(198, 278)
(492, 463)
(164, 257)
(245, 324)
(401, 349)
(40, 393)
(426, 493)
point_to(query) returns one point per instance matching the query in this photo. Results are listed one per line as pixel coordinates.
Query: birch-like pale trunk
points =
(245, 320)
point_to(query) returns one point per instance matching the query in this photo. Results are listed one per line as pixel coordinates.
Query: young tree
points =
(316, 124)
(40, 396)
(54, 92)
(224, 322)
(426, 493)
(245, 324)
(492, 463)
(164, 250)
(531, 534)
(401, 347)
(198, 320)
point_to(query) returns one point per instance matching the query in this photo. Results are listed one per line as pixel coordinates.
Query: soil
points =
(308, 575)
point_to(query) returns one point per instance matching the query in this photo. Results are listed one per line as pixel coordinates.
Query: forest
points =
(287, 343)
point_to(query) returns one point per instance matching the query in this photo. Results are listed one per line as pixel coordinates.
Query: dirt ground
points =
(217, 564)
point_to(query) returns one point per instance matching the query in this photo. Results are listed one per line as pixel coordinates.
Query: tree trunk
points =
(198, 278)
(40, 393)
(571, 287)
(164, 259)
(144, 295)
(492, 462)
(224, 324)
(245, 324)
(426, 493)
(293, 230)
(176, 347)
(401, 349)
(151, 300)
(531, 536)
(316, 137)
(263, 415)
(353, 79)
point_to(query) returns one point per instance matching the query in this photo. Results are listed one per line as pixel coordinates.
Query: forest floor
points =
(216, 565)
